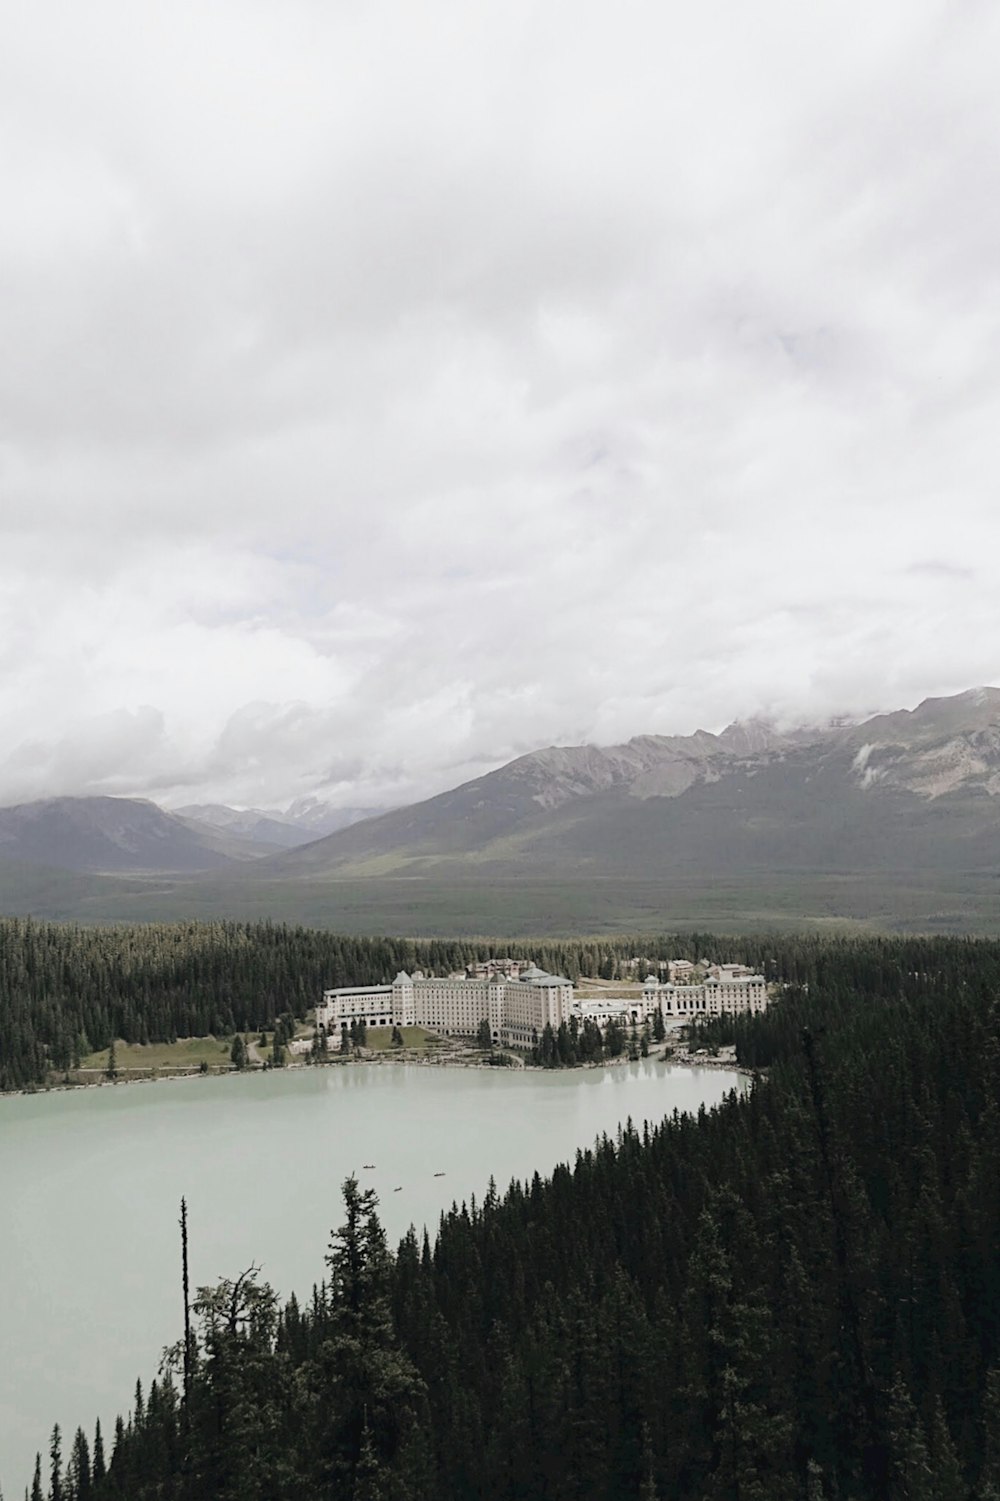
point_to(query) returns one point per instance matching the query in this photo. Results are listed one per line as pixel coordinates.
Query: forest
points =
(68, 990)
(794, 1296)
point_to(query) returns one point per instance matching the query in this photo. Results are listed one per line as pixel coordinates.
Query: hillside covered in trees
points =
(67, 990)
(795, 1296)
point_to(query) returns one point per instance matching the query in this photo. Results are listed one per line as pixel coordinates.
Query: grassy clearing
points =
(379, 1039)
(524, 907)
(186, 1052)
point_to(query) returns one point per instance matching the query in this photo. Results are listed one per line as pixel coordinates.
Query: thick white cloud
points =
(387, 390)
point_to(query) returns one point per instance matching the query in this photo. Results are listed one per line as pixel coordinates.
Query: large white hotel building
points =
(517, 1009)
(520, 1003)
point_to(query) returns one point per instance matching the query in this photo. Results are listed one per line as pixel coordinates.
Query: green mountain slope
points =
(115, 834)
(894, 823)
(915, 791)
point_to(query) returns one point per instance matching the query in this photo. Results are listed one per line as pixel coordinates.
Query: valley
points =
(890, 824)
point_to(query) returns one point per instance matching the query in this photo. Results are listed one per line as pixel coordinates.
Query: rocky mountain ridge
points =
(114, 834)
(308, 818)
(750, 793)
(915, 785)
(943, 746)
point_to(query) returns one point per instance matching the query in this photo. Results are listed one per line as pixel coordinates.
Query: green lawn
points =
(379, 1039)
(186, 1052)
(191, 1052)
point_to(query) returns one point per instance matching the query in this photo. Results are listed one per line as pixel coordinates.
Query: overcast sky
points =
(387, 389)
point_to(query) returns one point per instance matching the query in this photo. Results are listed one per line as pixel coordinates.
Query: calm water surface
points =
(91, 1183)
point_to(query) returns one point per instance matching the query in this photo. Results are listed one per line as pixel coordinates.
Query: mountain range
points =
(308, 818)
(915, 784)
(842, 820)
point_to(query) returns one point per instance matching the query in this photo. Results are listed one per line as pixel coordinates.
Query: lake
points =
(92, 1181)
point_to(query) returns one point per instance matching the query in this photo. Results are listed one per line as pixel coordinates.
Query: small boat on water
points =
(439, 1175)
(368, 1164)
(398, 1190)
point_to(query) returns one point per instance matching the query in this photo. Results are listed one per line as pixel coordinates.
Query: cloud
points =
(387, 392)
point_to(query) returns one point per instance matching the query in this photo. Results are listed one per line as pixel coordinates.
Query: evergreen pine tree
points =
(910, 1462)
(367, 1476)
(56, 1492)
(369, 1392)
(949, 1483)
(79, 1467)
(988, 1488)
(98, 1469)
(647, 1490)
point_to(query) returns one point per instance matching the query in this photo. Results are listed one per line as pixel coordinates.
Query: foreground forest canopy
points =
(795, 1296)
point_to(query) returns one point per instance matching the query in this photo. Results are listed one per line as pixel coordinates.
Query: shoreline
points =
(460, 1057)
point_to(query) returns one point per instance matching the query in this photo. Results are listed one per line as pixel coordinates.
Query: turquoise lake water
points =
(91, 1182)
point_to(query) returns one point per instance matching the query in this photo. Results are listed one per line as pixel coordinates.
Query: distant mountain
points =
(266, 828)
(916, 786)
(321, 818)
(519, 797)
(946, 745)
(308, 818)
(113, 834)
(890, 823)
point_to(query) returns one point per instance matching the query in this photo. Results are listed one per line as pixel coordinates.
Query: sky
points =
(387, 390)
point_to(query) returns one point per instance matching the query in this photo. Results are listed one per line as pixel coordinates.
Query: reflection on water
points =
(91, 1181)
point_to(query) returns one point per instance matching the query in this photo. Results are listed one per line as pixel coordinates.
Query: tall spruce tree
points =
(56, 1491)
(366, 1394)
(98, 1468)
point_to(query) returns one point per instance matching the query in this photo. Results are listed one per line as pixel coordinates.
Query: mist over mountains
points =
(110, 834)
(903, 786)
(308, 818)
(902, 797)
(114, 834)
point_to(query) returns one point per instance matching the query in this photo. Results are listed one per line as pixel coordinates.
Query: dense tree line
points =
(66, 991)
(794, 1296)
(571, 1044)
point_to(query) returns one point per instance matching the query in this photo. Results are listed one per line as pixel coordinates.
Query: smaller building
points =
(626, 1011)
(726, 996)
(485, 969)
